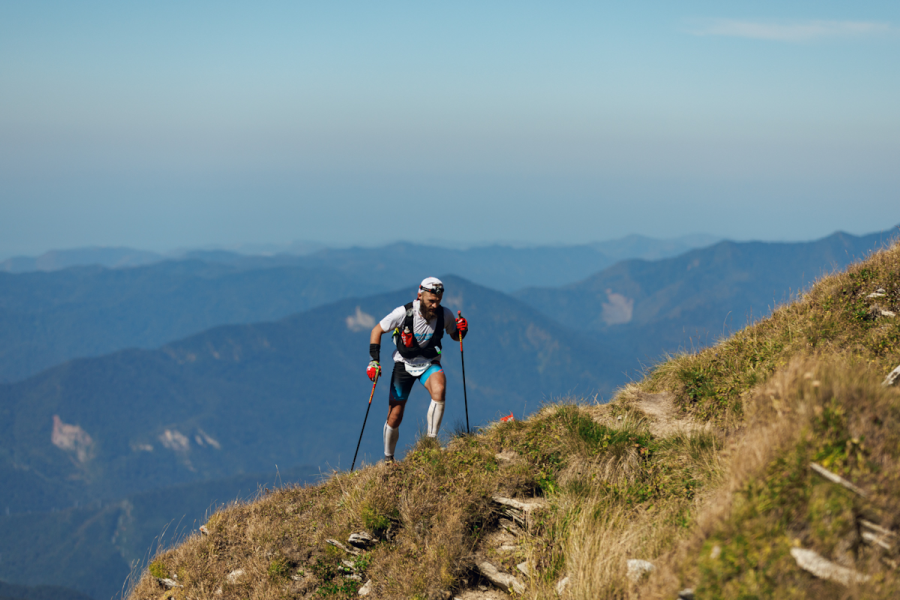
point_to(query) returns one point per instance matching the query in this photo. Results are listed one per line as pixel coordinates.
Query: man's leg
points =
(436, 384)
(401, 384)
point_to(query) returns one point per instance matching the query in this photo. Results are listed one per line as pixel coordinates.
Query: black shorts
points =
(402, 381)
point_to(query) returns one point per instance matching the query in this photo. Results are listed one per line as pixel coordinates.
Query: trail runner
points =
(417, 329)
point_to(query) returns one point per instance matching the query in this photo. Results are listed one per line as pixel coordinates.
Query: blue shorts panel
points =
(429, 372)
(402, 381)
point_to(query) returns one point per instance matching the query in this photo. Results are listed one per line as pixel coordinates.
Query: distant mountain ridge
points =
(54, 260)
(631, 246)
(652, 307)
(244, 398)
(93, 548)
(49, 317)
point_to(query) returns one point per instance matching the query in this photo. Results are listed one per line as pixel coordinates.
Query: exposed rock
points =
(510, 526)
(507, 456)
(638, 568)
(168, 583)
(879, 293)
(876, 535)
(822, 568)
(874, 539)
(877, 529)
(716, 552)
(504, 581)
(523, 568)
(361, 539)
(686, 594)
(72, 439)
(835, 478)
(366, 589)
(519, 511)
(234, 576)
(562, 585)
(508, 548)
(337, 544)
(360, 321)
(483, 593)
(888, 313)
(892, 378)
(175, 440)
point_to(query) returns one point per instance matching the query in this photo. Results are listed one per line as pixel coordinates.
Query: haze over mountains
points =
(251, 362)
(49, 317)
(630, 246)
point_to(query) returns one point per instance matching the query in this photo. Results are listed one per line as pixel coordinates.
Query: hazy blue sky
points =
(163, 124)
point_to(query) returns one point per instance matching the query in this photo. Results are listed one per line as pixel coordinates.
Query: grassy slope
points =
(715, 494)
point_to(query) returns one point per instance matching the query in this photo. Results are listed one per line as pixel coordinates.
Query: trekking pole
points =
(462, 358)
(364, 420)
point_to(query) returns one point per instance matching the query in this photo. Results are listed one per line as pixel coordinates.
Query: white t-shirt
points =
(422, 329)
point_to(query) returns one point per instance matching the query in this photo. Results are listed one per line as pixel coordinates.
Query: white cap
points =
(430, 284)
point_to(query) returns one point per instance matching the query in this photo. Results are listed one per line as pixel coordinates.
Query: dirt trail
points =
(665, 418)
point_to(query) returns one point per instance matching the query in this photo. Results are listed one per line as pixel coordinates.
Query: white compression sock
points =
(435, 415)
(391, 436)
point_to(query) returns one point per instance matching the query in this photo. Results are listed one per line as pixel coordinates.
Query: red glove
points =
(373, 370)
(462, 326)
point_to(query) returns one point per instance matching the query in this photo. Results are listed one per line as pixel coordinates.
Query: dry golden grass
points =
(710, 451)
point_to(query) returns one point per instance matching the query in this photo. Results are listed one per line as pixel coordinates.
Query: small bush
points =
(158, 569)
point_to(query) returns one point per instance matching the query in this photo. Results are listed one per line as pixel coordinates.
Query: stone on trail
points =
(168, 583)
(519, 511)
(366, 589)
(638, 568)
(234, 576)
(814, 563)
(504, 581)
(361, 539)
(337, 544)
(892, 378)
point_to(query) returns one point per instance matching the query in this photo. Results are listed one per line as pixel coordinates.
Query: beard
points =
(427, 313)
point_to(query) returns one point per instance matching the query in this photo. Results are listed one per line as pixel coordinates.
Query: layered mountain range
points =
(209, 370)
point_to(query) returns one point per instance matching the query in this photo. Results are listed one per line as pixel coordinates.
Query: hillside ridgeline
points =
(763, 466)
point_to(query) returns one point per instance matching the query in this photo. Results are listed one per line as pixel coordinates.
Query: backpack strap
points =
(432, 349)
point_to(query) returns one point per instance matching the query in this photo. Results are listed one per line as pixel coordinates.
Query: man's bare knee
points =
(437, 386)
(395, 415)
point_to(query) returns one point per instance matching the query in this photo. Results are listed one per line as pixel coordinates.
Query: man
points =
(417, 331)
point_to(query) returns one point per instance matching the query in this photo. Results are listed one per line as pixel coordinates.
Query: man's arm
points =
(375, 342)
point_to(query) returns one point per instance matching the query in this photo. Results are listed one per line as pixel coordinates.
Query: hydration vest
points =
(431, 349)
